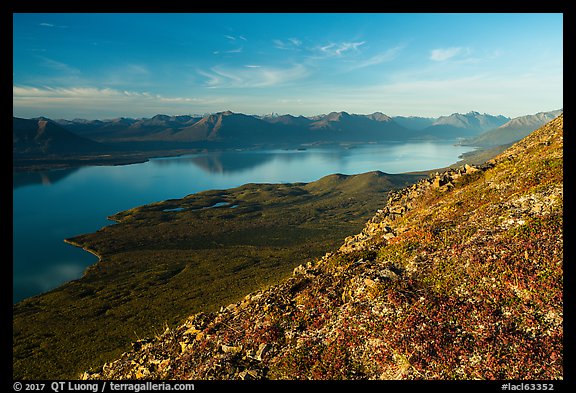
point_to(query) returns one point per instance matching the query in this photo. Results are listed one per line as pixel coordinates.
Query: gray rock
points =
(263, 349)
(231, 349)
(248, 374)
(388, 274)
(470, 169)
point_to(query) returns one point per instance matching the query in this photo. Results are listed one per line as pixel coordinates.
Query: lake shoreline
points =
(41, 163)
(93, 252)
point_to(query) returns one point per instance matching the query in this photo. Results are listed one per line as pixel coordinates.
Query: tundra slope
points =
(459, 276)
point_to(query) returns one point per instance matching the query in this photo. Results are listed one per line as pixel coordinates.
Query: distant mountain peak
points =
(513, 130)
(44, 136)
(472, 121)
(379, 116)
(335, 116)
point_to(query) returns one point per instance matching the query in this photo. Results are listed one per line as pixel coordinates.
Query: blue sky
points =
(99, 66)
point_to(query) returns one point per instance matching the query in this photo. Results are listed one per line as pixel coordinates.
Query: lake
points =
(51, 206)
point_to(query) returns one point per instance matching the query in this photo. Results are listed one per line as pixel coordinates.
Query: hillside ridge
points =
(44, 136)
(512, 131)
(459, 276)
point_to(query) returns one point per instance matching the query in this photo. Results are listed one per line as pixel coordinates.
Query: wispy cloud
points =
(382, 57)
(91, 100)
(289, 44)
(236, 50)
(339, 49)
(295, 41)
(53, 72)
(319, 51)
(30, 92)
(252, 76)
(22, 93)
(443, 54)
(234, 38)
(58, 66)
(132, 74)
(46, 24)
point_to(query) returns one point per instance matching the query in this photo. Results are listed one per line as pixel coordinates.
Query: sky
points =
(102, 66)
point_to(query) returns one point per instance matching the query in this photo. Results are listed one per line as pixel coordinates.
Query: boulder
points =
(263, 349)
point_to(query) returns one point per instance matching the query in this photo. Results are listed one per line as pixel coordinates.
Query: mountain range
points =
(240, 129)
(45, 137)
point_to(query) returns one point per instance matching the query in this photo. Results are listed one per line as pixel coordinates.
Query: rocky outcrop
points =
(381, 227)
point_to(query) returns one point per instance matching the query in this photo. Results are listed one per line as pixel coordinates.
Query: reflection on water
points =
(222, 162)
(46, 178)
(38, 281)
(231, 162)
(51, 206)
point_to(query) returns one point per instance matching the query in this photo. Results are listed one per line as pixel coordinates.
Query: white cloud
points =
(348, 46)
(331, 49)
(38, 94)
(442, 54)
(132, 74)
(338, 49)
(137, 69)
(382, 57)
(58, 66)
(232, 38)
(45, 24)
(252, 76)
(295, 41)
(91, 101)
(237, 50)
(290, 44)
(24, 92)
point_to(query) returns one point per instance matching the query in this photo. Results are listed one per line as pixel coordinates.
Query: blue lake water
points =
(51, 206)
